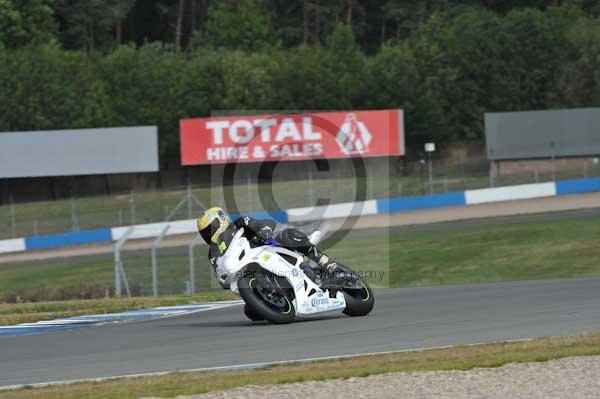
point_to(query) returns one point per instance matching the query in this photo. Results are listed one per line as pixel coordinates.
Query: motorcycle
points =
(278, 285)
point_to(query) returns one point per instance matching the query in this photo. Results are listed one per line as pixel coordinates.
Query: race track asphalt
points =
(404, 318)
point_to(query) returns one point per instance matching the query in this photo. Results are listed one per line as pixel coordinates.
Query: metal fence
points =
(176, 270)
(183, 202)
(95, 276)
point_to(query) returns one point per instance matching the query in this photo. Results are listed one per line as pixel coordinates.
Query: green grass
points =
(93, 276)
(523, 251)
(457, 358)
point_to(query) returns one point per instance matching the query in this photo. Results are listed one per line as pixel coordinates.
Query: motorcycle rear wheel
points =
(251, 315)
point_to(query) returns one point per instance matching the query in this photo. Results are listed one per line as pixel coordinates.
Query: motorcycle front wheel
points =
(359, 298)
(265, 298)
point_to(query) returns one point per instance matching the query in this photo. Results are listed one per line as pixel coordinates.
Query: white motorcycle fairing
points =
(239, 254)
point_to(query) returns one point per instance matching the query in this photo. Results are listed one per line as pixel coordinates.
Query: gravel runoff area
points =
(575, 377)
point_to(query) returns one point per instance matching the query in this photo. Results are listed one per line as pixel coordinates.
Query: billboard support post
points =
(132, 207)
(13, 219)
(430, 173)
(249, 192)
(74, 220)
(189, 195)
(552, 145)
(311, 196)
(429, 148)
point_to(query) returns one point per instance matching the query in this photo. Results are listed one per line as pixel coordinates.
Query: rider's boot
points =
(327, 267)
(322, 267)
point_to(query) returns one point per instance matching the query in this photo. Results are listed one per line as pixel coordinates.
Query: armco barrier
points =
(154, 229)
(577, 186)
(510, 193)
(405, 204)
(371, 207)
(13, 245)
(278, 215)
(66, 239)
(342, 210)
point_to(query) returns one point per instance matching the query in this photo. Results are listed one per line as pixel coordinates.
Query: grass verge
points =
(480, 254)
(11, 314)
(456, 358)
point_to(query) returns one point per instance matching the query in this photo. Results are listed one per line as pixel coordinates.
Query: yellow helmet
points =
(212, 223)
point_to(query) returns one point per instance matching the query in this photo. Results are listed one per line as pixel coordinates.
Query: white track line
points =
(247, 366)
(121, 318)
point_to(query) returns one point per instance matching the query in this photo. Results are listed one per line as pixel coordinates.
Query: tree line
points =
(78, 64)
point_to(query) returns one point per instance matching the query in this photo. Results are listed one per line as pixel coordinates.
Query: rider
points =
(216, 229)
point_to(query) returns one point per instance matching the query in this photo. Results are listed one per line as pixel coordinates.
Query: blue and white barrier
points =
(510, 193)
(366, 208)
(13, 245)
(405, 204)
(577, 186)
(66, 239)
(154, 229)
(333, 211)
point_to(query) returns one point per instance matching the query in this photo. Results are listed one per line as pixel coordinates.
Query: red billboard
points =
(257, 138)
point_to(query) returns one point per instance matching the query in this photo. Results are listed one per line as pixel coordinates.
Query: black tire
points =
(251, 315)
(259, 308)
(359, 302)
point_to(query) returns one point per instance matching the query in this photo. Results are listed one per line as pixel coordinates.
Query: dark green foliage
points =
(48, 88)
(242, 25)
(145, 85)
(89, 24)
(24, 22)
(580, 82)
